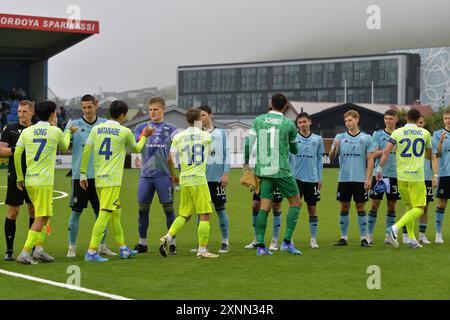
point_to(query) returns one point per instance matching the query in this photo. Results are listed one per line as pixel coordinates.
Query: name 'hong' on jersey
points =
(444, 158)
(78, 142)
(156, 150)
(41, 142)
(380, 138)
(273, 133)
(353, 152)
(307, 164)
(411, 142)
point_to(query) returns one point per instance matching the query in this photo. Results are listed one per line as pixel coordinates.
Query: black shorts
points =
(15, 197)
(430, 196)
(393, 195)
(218, 194)
(309, 191)
(277, 197)
(443, 189)
(348, 189)
(80, 198)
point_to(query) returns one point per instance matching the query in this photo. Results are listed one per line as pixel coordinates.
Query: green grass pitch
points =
(327, 273)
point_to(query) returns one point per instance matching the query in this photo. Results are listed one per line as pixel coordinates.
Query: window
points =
(261, 83)
(277, 77)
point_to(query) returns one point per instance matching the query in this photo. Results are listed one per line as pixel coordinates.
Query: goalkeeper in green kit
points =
(275, 137)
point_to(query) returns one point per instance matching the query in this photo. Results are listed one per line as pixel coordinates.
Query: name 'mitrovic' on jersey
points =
(155, 153)
(307, 164)
(79, 141)
(353, 151)
(411, 142)
(273, 134)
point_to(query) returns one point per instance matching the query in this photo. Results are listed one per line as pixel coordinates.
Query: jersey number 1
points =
(105, 148)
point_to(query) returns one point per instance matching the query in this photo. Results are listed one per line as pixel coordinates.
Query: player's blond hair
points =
(351, 113)
(28, 103)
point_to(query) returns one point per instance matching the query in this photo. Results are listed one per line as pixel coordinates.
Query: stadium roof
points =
(32, 37)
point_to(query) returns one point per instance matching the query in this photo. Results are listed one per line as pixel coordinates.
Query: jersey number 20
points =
(415, 149)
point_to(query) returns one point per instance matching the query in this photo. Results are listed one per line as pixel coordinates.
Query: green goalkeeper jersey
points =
(109, 141)
(275, 136)
(40, 142)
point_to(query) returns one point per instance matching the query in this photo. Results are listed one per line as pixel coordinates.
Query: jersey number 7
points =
(42, 143)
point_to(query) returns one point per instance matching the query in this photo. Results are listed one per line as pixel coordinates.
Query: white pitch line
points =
(64, 285)
(63, 194)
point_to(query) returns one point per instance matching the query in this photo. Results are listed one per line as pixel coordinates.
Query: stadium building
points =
(27, 43)
(245, 88)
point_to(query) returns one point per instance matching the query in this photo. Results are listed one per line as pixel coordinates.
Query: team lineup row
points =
(288, 159)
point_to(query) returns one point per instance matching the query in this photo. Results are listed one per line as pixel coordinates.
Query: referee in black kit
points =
(15, 197)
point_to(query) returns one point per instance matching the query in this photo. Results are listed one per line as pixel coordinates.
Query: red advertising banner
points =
(48, 24)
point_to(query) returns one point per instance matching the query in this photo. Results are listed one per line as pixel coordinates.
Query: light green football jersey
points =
(411, 142)
(41, 142)
(273, 133)
(109, 141)
(191, 147)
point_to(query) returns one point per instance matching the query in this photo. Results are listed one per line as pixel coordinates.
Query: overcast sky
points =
(141, 43)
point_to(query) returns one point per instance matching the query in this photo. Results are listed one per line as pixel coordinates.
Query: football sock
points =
(390, 219)
(291, 221)
(439, 219)
(176, 226)
(362, 223)
(261, 224)
(276, 224)
(32, 238)
(408, 217)
(10, 232)
(99, 228)
(203, 233)
(170, 214)
(313, 223)
(223, 221)
(254, 218)
(116, 226)
(74, 222)
(343, 223)
(371, 219)
(143, 220)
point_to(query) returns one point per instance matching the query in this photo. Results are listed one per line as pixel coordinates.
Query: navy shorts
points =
(148, 186)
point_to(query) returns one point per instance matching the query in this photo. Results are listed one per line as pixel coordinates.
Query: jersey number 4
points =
(105, 148)
(42, 143)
